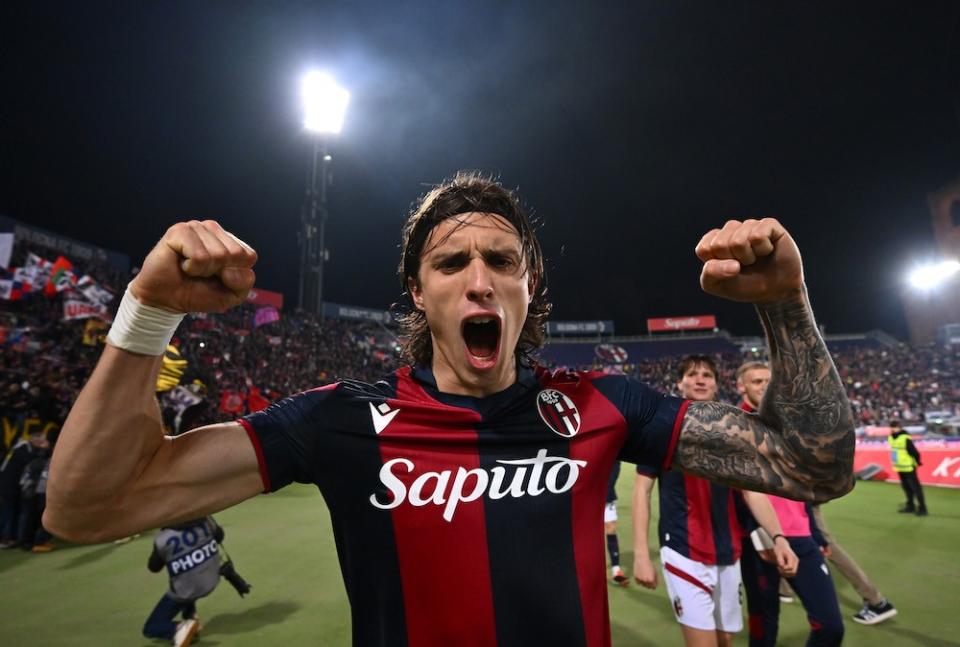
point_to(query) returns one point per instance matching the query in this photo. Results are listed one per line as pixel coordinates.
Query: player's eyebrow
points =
(438, 258)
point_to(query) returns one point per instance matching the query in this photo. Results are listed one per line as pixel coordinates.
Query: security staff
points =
(905, 459)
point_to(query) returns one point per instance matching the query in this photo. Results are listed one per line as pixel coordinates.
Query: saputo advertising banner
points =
(693, 322)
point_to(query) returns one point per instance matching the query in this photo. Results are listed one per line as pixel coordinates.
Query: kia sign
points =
(696, 322)
(579, 327)
(259, 297)
(941, 461)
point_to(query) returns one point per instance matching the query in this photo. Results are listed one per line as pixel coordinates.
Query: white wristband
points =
(142, 329)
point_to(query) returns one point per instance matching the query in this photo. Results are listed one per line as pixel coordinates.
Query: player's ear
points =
(532, 282)
(413, 287)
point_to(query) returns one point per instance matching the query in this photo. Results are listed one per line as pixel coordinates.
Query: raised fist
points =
(754, 261)
(196, 267)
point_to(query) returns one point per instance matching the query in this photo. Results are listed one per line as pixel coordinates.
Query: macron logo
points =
(382, 415)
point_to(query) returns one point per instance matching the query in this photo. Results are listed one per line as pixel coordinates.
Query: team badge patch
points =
(558, 412)
(677, 607)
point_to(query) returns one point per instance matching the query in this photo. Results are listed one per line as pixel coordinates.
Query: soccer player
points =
(464, 488)
(610, 529)
(699, 535)
(759, 576)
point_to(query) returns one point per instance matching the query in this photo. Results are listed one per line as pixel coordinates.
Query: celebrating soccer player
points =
(465, 488)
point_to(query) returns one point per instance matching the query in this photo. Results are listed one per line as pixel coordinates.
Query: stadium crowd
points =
(238, 366)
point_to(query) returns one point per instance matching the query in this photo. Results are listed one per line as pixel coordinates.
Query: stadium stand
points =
(234, 362)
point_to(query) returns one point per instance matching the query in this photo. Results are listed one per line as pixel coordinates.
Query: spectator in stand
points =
(905, 461)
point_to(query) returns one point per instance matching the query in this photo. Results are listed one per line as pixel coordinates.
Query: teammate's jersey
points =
(744, 517)
(469, 521)
(698, 520)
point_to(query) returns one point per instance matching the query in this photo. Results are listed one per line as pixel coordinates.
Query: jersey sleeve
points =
(653, 422)
(285, 437)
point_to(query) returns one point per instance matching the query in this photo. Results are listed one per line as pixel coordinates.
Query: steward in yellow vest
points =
(905, 459)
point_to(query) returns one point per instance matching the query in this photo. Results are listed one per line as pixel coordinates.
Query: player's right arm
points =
(643, 569)
(113, 472)
(800, 443)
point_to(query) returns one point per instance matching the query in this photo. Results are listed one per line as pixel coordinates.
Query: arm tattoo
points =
(800, 443)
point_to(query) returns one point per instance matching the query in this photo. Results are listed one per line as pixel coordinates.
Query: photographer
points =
(191, 552)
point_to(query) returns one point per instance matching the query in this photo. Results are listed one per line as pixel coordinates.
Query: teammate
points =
(610, 529)
(464, 488)
(699, 535)
(905, 461)
(759, 577)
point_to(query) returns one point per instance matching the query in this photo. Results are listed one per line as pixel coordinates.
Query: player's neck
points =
(464, 381)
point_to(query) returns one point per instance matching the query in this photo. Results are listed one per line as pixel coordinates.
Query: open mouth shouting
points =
(481, 338)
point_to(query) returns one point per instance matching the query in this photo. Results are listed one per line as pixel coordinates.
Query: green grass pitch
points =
(282, 544)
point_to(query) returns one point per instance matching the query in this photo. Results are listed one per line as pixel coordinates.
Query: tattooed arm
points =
(800, 443)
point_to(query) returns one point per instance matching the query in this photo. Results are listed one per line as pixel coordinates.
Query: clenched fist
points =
(754, 261)
(196, 267)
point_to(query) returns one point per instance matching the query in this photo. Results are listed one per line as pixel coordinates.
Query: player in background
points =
(699, 535)
(610, 529)
(752, 380)
(465, 461)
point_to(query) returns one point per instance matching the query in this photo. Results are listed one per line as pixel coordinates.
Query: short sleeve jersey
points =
(698, 519)
(469, 521)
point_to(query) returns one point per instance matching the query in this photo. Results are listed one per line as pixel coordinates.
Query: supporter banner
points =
(580, 327)
(340, 311)
(260, 297)
(941, 461)
(93, 291)
(95, 332)
(265, 315)
(231, 402)
(696, 322)
(15, 428)
(256, 401)
(61, 276)
(75, 309)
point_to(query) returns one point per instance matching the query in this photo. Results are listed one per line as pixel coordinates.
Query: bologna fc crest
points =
(558, 412)
(611, 353)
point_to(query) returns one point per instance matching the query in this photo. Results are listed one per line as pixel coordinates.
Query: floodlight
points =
(931, 276)
(324, 103)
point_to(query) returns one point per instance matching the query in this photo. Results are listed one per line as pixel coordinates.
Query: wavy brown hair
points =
(467, 192)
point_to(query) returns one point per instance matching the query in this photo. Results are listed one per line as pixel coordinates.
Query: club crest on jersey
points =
(558, 412)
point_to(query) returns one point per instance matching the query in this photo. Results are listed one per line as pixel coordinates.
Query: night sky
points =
(630, 129)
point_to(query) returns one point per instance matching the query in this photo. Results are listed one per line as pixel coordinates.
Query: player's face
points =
(753, 384)
(474, 287)
(698, 383)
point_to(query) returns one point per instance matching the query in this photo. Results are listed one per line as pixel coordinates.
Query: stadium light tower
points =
(931, 276)
(324, 106)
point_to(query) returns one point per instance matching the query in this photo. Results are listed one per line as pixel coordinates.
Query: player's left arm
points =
(800, 443)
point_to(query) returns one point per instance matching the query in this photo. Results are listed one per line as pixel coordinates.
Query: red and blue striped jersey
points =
(698, 519)
(469, 521)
